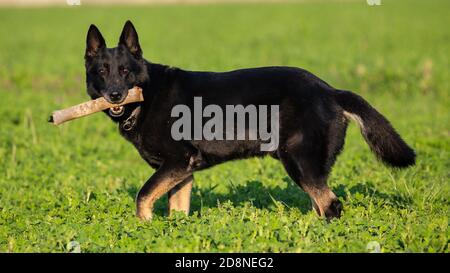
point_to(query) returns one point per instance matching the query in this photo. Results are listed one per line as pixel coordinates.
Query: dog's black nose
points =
(115, 96)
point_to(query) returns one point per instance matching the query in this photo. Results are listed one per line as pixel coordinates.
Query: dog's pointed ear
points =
(94, 42)
(129, 38)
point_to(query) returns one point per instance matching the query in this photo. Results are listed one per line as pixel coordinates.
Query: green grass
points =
(77, 182)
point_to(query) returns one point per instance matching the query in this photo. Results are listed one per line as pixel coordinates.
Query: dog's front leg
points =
(163, 180)
(180, 196)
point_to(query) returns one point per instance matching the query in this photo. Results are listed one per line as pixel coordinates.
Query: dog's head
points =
(110, 72)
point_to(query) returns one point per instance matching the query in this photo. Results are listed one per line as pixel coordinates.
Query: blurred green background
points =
(77, 182)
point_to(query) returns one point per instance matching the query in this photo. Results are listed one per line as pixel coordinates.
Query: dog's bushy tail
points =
(382, 138)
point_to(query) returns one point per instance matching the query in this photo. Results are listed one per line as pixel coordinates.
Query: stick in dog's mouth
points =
(97, 105)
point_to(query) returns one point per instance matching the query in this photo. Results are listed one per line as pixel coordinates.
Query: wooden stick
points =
(93, 106)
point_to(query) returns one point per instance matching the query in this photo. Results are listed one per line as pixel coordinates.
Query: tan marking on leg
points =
(180, 196)
(314, 206)
(321, 198)
(159, 184)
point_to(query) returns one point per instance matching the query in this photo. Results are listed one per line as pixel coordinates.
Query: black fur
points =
(382, 138)
(313, 118)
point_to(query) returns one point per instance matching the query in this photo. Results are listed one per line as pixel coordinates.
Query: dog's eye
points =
(124, 71)
(101, 71)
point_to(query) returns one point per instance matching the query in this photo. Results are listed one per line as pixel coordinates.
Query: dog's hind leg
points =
(180, 196)
(324, 201)
(307, 161)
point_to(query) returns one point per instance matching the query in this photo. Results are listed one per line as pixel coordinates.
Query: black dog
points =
(313, 118)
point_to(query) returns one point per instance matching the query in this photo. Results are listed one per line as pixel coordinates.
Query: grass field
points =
(77, 182)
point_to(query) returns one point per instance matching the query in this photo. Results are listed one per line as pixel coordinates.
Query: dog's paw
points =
(144, 215)
(334, 210)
